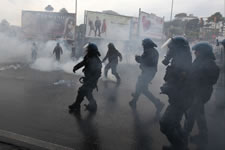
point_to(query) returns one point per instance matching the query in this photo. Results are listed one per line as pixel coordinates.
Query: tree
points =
(4, 22)
(176, 27)
(217, 17)
(4, 26)
(201, 22)
(111, 12)
(181, 15)
(49, 8)
(63, 10)
(192, 29)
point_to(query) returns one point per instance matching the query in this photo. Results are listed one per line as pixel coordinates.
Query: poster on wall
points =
(48, 25)
(107, 26)
(150, 25)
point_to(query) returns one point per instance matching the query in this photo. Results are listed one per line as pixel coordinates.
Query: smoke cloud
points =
(13, 50)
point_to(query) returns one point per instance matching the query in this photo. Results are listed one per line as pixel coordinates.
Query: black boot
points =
(175, 148)
(74, 107)
(199, 139)
(118, 83)
(92, 107)
(133, 102)
(118, 79)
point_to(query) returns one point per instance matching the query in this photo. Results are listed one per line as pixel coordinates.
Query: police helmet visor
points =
(86, 46)
(165, 45)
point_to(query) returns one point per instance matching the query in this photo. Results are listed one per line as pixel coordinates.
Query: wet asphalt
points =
(35, 104)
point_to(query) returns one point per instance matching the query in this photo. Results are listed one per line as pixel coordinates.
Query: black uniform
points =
(92, 72)
(73, 52)
(34, 52)
(58, 51)
(204, 75)
(112, 55)
(219, 93)
(148, 64)
(178, 90)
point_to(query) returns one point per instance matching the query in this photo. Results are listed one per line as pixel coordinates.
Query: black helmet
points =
(92, 50)
(205, 49)
(111, 46)
(148, 43)
(223, 42)
(178, 41)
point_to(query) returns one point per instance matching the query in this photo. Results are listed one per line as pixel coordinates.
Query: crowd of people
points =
(188, 85)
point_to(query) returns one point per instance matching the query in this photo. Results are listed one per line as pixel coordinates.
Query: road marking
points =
(32, 141)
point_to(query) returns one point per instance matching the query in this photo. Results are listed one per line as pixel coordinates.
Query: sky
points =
(11, 9)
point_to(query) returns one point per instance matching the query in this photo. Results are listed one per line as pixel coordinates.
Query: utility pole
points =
(139, 22)
(75, 17)
(171, 15)
(76, 10)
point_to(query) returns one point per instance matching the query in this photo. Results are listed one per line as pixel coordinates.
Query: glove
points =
(165, 62)
(138, 58)
(74, 69)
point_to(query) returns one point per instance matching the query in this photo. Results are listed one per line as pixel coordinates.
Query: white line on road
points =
(32, 141)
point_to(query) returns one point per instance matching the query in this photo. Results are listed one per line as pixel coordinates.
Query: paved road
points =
(34, 104)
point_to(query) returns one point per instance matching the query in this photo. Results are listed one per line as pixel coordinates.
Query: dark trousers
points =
(113, 67)
(86, 91)
(97, 29)
(142, 87)
(171, 127)
(57, 57)
(196, 113)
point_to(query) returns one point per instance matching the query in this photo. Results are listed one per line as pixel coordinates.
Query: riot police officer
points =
(34, 50)
(204, 75)
(112, 55)
(178, 61)
(73, 52)
(220, 59)
(92, 72)
(148, 64)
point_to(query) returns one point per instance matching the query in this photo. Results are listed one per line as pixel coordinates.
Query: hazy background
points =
(11, 9)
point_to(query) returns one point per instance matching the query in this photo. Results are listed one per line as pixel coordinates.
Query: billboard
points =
(150, 25)
(107, 26)
(48, 25)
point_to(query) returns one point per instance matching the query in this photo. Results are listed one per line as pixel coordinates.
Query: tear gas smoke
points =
(13, 50)
(46, 60)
